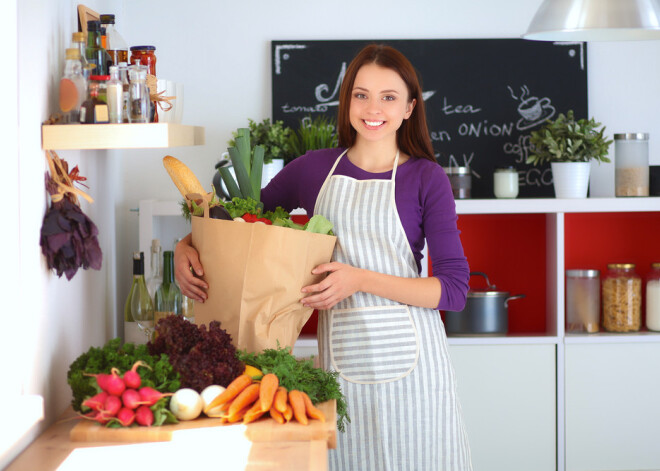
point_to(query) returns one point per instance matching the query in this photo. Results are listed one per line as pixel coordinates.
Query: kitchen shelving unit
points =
(120, 136)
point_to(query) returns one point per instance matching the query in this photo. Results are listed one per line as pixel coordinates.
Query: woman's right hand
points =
(186, 259)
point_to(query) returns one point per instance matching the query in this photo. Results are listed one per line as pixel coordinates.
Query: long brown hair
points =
(413, 136)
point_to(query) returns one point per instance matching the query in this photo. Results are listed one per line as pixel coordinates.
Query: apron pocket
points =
(375, 344)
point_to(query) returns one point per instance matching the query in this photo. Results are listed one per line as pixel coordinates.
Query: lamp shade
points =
(595, 20)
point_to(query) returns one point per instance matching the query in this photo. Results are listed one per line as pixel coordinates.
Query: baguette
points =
(184, 179)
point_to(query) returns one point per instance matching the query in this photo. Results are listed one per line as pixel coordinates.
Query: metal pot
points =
(485, 313)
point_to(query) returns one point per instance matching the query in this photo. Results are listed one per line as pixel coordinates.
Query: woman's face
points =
(379, 103)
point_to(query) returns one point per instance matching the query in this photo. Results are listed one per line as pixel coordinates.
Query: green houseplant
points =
(569, 145)
(317, 133)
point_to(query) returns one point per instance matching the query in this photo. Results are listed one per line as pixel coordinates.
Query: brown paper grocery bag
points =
(255, 273)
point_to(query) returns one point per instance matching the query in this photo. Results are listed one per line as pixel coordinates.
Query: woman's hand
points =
(341, 282)
(186, 259)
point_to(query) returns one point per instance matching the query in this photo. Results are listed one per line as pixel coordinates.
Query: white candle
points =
(505, 182)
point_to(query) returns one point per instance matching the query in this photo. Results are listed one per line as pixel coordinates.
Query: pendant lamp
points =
(595, 20)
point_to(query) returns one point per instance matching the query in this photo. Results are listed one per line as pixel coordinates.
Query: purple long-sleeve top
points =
(424, 201)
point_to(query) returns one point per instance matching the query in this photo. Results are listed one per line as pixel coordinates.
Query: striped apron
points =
(393, 363)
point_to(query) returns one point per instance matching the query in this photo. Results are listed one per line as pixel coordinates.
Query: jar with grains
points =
(631, 164)
(653, 298)
(622, 298)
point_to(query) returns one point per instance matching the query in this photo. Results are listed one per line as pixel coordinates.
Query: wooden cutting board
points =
(263, 430)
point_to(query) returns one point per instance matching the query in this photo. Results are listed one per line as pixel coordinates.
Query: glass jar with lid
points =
(631, 164)
(582, 300)
(653, 298)
(144, 55)
(460, 179)
(622, 298)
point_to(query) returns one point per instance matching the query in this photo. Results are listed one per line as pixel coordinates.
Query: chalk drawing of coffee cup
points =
(534, 111)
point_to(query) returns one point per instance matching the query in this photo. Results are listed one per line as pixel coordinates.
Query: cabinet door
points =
(612, 406)
(508, 397)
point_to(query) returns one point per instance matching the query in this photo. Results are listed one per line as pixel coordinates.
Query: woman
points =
(378, 325)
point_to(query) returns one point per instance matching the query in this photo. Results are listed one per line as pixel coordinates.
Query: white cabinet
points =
(612, 406)
(508, 397)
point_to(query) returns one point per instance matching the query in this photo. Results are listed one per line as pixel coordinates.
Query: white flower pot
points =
(571, 179)
(270, 170)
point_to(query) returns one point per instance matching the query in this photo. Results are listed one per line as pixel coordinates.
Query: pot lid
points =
(486, 293)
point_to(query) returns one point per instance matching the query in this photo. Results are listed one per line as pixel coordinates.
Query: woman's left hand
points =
(341, 282)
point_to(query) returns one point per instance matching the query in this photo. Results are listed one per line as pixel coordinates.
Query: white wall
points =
(220, 51)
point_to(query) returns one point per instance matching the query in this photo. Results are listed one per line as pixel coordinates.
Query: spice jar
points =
(622, 298)
(505, 182)
(461, 181)
(582, 300)
(631, 164)
(138, 95)
(144, 55)
(653, 298)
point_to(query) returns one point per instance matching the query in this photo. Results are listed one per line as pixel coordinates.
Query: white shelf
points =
(120, 136)
(504, 340)
(556, 205)
(612, 337)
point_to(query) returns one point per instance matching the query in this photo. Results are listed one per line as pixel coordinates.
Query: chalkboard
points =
(482, 96)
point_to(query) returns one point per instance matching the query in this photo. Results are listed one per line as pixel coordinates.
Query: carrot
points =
(269, 385)
(232, 419)
(234, 389)
(277, 415)
(245, 399)
(312, 412)
(280, 399)
(288, 412)
(298, 406)
(253, 413)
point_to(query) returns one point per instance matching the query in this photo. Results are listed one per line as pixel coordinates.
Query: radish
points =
(126, 417)
(150, 396)
(111, 383)
(131, 378)
(112, 405)
(101, 416)
(131, 399)
(96, 402)
(144, 416)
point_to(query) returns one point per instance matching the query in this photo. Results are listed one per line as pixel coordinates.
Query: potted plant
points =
(312, 134)
(569, 145)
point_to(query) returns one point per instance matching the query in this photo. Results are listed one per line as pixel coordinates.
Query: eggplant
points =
(219, 212)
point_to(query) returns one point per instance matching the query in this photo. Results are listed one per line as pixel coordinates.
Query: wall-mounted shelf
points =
(119, 136)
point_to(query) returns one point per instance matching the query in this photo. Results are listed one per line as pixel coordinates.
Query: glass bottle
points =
(94, 52)
(622, 298)
(653, 298)
(132, 332)
(187, 304)
(73, 87)
(115, 96)
(123, 76)
(115, 44)
(94, 110)
(138, 94)
(78, 41)
(156, 276)
(168, 294)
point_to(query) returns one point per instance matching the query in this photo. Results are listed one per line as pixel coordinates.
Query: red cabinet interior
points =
(595, 239)
(511, 250)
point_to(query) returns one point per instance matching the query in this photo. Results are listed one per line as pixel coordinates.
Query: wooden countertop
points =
(225, 447)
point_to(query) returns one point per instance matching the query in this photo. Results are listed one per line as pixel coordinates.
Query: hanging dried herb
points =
(68, 237)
